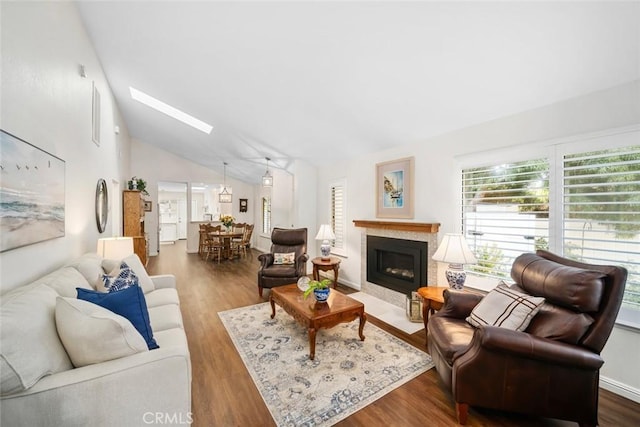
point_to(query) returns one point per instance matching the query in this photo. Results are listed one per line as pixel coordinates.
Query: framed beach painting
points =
(394, 188)
(31, 194)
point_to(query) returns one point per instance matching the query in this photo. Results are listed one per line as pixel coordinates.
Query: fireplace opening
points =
(396, 264)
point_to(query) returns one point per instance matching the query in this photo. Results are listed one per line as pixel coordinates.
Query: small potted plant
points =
(138, 184)
(320, 289)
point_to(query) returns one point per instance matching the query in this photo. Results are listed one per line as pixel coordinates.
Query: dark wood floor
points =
(224, 394)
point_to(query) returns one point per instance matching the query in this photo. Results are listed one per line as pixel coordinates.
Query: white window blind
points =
(505, 213)
(266, 215)
(594, 215)
(338, 215)
(601, 221)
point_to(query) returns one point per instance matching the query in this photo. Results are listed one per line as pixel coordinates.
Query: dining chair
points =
(214, 245)
(238, 228)
(235, 242)
(203, 239)
(245, 242)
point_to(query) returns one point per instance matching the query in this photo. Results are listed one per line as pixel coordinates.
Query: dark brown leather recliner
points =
(552, 368)
(283, 241)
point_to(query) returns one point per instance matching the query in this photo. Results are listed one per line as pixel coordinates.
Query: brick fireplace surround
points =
(423, 232)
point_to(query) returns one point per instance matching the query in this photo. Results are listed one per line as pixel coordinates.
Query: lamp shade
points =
(115, 247)
(224, 196)
(325, 233)
(267, 180)
(454, 250)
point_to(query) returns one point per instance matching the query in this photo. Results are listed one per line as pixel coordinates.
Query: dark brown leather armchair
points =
(283, 241)
(552, 368)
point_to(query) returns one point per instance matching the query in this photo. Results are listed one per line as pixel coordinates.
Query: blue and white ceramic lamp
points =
(454, 250)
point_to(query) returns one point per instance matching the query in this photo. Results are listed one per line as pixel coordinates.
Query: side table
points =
(319, 264)
(432, 300)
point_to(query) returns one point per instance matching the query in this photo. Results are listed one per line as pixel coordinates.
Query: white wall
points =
(437, 187)
(305, 213)
(153, 165)
(46, 102)
(281, 194)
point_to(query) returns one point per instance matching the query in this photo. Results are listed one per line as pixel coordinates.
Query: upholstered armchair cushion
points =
(566, 286)
(559, 324)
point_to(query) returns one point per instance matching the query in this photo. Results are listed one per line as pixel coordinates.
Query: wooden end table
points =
(333, 263)
(339, 308)
(432, 300)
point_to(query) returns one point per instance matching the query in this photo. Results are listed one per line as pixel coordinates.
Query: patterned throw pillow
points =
(285, 258)
(506, 308)
(123, 279)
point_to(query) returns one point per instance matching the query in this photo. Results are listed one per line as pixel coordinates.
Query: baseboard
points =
(347, 283)
(620, 389)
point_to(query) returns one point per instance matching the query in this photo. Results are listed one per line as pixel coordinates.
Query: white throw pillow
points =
(92, 334)
(30, 347)
(506, 308)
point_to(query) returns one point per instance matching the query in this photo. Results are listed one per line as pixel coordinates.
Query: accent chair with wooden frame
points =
(551, 368)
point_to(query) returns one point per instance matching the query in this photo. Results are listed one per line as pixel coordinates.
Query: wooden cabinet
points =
(133, 222)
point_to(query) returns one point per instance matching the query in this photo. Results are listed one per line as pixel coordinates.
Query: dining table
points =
(226, 237)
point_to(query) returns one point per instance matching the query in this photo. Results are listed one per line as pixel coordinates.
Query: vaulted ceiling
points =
(321, 81)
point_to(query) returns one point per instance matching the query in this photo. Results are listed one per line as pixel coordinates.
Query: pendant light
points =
(267, 178)
(225, 196)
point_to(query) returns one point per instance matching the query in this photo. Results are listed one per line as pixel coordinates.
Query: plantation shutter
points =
(601, 221)
(505, 212)
(338, 215)
(266, 215)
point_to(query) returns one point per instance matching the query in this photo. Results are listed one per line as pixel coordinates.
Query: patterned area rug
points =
(346, 375)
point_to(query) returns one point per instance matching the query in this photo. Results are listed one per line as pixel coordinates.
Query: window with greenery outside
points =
(596, 219)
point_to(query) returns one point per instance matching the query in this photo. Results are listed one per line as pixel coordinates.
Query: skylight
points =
(170, 111)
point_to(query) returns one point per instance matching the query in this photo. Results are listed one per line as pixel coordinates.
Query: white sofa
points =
(41, 387)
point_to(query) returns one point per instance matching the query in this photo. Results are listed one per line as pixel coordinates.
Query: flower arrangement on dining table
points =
(227, 220)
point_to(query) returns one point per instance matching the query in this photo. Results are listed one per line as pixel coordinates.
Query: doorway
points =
(172, 212)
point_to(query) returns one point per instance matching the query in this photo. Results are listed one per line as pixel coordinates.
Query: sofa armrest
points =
(532, 347)
(155, 381)
(458, 304)
(162, 281)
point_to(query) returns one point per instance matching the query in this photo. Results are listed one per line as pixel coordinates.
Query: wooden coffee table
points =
(339, 308)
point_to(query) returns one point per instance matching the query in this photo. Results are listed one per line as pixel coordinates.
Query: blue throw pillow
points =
(128, 303)
(124, 279)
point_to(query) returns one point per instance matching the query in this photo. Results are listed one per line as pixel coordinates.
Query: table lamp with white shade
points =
(454, 250)
(325, 234)
(115, 247)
